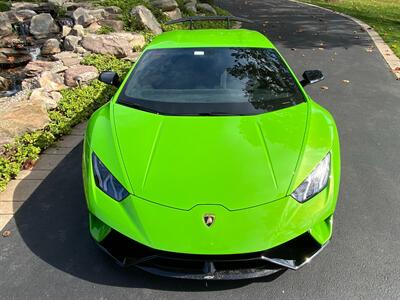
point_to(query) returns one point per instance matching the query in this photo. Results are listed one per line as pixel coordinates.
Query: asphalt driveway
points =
(50, 253)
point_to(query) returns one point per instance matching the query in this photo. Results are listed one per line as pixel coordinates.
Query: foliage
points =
(105, 30)
(131, 24)
(107, 63)
(382, 15)
(211, 2)
(76, 106)
(60, 11)
(198, 25)
(4, 5)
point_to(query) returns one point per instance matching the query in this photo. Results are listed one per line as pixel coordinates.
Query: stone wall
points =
(56, 46)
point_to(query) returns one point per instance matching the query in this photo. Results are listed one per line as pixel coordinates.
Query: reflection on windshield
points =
(206, 80)
(264, 76)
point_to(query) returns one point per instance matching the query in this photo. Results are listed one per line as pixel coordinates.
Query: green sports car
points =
(211, 161)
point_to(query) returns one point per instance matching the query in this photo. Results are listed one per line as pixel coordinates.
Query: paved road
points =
(51, 255)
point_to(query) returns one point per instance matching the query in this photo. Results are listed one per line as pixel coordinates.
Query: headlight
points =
(106, 181)
(315, 182)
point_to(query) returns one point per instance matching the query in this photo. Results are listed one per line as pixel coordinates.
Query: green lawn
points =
(382, 15)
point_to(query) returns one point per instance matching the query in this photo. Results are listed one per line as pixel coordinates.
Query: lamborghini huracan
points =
(211, 161)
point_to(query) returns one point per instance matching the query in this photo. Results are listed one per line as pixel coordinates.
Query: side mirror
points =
(110, 78)
(311, 76)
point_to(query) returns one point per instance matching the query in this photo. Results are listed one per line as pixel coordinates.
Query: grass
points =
(382, 15)
(4, 6)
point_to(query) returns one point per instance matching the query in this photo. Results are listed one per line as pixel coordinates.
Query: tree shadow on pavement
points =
(53, 224)
(290, 25)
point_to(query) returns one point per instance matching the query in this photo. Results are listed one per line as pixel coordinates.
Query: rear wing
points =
(228, 20)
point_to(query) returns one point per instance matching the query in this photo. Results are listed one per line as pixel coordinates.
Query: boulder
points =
(66, 30)
(133, 57)
(99, 14)
(82, 17)
(65, 54)
(51, 46)
(164, 5)
(113, 9)
(174, 14)
(119, 44)
(5, 84)
(43, 25)
(145, 17)
(65, 21)
(56, 96)
(5, 25)
(71, 42)
(56, 3)
(20, 15)
(71, 61)
(22, 117)
(206, 8)
(34, 68)
(136, 40)
(29, 84)
(49, 99)
(81, 51)
(85, 17)
(9, 41)
(71, 6)
(116, 25)
(51, 81)
(115, 17)
(80, 75)
(68, 58)
(92, 28)
(191, 7)
(78, 30)
(24, 5)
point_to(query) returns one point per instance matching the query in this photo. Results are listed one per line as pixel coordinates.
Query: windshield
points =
(210, 81)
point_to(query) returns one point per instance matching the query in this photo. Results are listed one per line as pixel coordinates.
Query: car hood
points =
(234, 161)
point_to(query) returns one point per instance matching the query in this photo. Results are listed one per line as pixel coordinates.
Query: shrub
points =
(105, 30)
(131, 24)
(76, 106)
(4, 6)
(107, 63)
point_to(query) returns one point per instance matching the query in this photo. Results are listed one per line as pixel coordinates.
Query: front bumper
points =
(291, 255)
(245, 243)
(233, 232)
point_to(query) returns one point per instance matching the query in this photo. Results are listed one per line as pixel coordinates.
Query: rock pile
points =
(63, 44)
(64, 41)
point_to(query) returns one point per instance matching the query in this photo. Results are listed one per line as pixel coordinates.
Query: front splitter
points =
(293, 254)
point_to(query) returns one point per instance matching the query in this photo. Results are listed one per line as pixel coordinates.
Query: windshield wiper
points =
(156, 111)
(138, 106)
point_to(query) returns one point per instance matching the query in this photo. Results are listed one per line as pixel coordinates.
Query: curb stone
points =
(24, 185)
(388, 55)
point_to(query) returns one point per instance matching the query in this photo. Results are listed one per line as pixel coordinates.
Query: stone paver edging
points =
(392, 60)
(21, 188)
